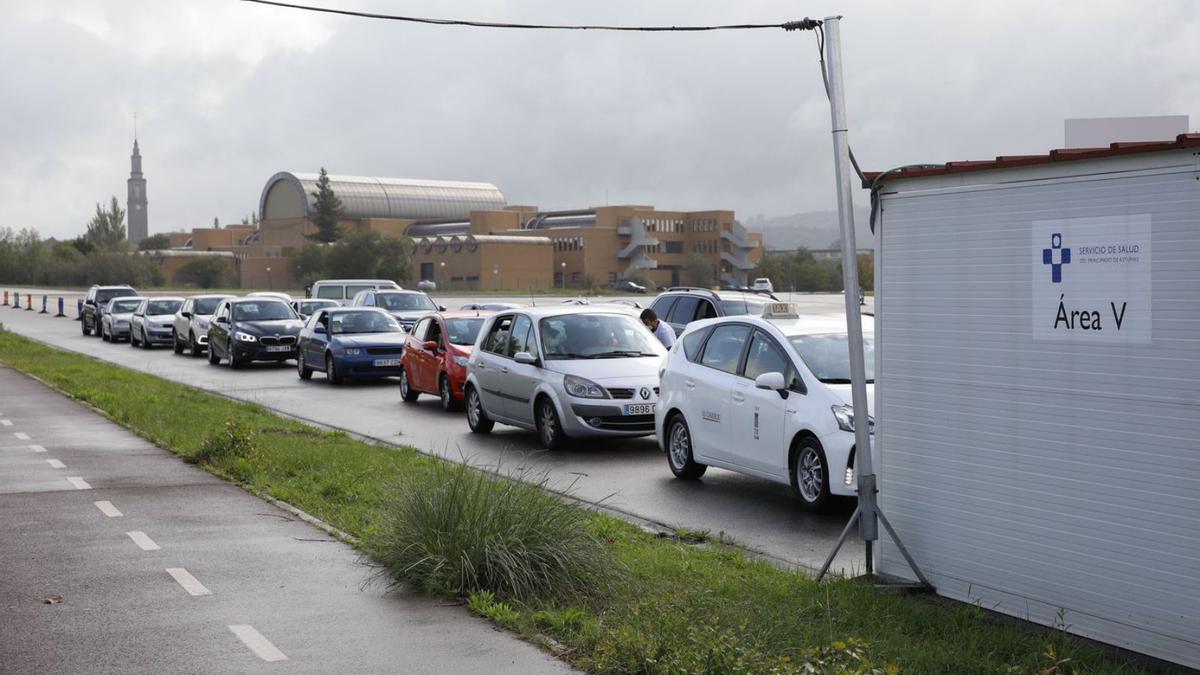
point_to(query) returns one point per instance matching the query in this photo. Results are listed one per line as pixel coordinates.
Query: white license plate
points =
(279, 348)
(387, 363)
(639, 408)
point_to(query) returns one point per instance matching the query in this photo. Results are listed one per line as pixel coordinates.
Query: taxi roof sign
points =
(774, 311)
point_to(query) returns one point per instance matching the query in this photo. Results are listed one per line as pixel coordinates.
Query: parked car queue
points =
(764, 393)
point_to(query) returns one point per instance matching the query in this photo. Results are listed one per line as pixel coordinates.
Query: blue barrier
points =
(60, 308)
(16, 300)
(43, 306)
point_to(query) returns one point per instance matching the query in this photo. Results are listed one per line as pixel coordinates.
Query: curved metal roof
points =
(289, 195)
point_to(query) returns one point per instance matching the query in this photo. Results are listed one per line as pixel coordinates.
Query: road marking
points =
(55, 464)
(7, 423)
(257, 643)
(188, 581)
(145, 543)
(37, 448)
(23, 436)
(79, 483)
(107, 508)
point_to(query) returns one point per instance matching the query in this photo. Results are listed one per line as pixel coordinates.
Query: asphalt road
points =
(116, 556)
(630, 477)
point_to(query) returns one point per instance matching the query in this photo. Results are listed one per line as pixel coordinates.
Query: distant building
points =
(135, 201)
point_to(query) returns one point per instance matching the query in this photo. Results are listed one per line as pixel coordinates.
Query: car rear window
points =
(740, 306)
(107, 294)
(352, 291)
(330, 291)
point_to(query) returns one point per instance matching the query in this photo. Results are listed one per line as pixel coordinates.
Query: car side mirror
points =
(186, 315)
(441, 308)
(221, 319)
(525, 358)
(772, 381)
(319, 329)
(431, 345)
(89, 302)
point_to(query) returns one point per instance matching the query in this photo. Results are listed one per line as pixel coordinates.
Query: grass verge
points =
(683, 605)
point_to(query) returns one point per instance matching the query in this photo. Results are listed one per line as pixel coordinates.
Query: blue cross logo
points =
(1056, 256)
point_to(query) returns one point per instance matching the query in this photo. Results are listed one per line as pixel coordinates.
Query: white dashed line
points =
(79, 483)
(145, 543)
(108, 509)
(6, 423)
(23, 436)
(189, 582)
(257, 643)
(37, 448)
(56, 464)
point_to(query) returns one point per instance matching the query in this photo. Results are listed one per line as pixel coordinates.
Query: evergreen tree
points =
(328, 209)
(106, 230)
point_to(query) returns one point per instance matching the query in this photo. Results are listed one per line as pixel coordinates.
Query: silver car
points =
(151, 322)
(190, 326)
(565, 372)
(114, 324)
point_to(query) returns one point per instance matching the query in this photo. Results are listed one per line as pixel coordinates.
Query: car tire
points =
(331, 373)
(679, 450)
(175, 343)
(446, 394)
(213, 359)
(477, 419)
(104, 334)
(132, 342)
(549, 426)
(810, 474)
(302, 370)
(84, 327)
(193, 346)
(234, 362)
(407, 393)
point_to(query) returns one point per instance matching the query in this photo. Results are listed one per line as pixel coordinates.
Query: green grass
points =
(685, 604)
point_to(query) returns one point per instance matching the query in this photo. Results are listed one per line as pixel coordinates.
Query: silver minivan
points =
(565, 372)
(342, 291)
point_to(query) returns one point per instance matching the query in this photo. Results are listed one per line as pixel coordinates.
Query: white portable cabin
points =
(1038, 396)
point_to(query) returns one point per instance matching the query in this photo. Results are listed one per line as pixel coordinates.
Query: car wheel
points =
(234, 362)
(212, 354)
(331, 373)
(679, 450)
(477, 419)
(193, 346)
(548, 426)
(175, 343)
(302, 370)
(142, 341)
(406, 391)
(84, 327)
(447, 395)
(104, 334)
(810, 474)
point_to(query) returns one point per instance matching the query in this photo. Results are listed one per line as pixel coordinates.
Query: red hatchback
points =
(435, 356)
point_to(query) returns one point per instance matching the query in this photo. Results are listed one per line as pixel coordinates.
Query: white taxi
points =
(767, 396)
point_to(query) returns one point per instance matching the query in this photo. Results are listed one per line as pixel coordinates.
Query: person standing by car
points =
(662, 331)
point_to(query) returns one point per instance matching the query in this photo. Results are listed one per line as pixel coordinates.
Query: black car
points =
(681, 305)
(253, 329)
(94, 303)
(627, 286)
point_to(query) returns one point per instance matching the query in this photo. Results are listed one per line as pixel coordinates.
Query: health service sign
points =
(1091, 279)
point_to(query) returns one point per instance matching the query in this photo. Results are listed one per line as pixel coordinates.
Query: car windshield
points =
(103, 296)
(206, 305)
(406, 302)
(273, 310)
(123, 306)
(739, 306)
(828, 356)
(463, 331)
(348, 323)
(157, 307)
(596, 336)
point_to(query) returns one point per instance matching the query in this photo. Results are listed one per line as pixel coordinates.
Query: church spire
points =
(136, 198)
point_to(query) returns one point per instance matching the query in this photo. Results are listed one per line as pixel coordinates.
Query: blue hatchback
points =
(350, 342)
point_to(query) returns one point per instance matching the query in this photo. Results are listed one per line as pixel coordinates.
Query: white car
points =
(763, 285)
(190, 329)
(565, 372)
(114, 324)
(151, 322)
(271, 294)
(767, 396)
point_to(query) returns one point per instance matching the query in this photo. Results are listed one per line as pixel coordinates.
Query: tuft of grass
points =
(458, 530)
(231, 441)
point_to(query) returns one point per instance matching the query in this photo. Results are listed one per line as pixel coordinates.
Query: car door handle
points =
(503, 370)
(738, 397)
(689, 384)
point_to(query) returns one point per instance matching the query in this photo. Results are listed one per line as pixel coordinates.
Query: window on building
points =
(674, 247)
(612, 277)
(576, 277)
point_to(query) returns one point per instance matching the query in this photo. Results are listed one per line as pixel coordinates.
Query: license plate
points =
(278, 348)
(639, 408)
(387, 363)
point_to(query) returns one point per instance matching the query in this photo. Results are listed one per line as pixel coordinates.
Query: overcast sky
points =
(228, 93)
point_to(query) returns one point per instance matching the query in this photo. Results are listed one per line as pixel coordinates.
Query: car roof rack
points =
(694, 288)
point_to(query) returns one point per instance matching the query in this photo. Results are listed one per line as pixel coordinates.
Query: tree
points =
(155, 242)
(328, 209)
(106, 230)
(310, 263)
(370, 254)
(698, 271)
(209, 271)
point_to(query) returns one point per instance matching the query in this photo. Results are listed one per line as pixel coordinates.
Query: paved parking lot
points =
(629, 476)
(119, 557)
